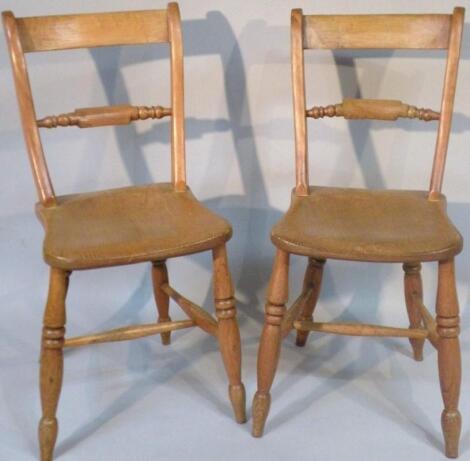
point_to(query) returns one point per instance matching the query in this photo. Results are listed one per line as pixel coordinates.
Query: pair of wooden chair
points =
(160, 221)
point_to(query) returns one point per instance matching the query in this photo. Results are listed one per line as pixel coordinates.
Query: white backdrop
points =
(141, 401)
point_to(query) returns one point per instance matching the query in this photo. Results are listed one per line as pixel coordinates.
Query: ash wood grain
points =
(448, 353)
(128, 333)
(414, 298)
(52, 360)
(90, 117)
(421, 31)
(228, 333)
(48, 33)
(178, 156)
(162, 300)
(298, 91)
(351, 329)
(270, 343)
(447, 105)
(37, 160)
(312, 280)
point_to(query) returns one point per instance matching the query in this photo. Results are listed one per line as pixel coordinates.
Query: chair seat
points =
(368, 225)
(128, 225)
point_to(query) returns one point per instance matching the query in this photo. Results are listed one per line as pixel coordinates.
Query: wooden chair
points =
(123, 226)
(364, 225)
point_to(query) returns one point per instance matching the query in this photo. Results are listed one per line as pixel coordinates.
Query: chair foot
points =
(451, 427)
(301, 339)
(165, 337)
(261, 405)
(48, 429)
(238, 399)
(417, 345)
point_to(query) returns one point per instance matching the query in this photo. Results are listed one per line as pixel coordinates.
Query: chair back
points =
(51, 33)
(410, 31)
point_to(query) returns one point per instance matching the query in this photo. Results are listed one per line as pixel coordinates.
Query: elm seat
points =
(128, 225)
(368, 225)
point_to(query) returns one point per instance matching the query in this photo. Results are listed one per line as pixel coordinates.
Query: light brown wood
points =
(228, 333)
(298, 89)
(134, 224)
(367, 225)
(91, 117)
(202, 319)
(41, 177)
(448, 352)
(129, 333)
(294, 311)
(48, 33)
(270, 344)
(430, 324)
(178, 156)
(402, 226)
(376, 109)
(428, 31)
(312, 279)
(351, 329)
(52, 361)
(159, 278)
(414, 298)
(447, 105)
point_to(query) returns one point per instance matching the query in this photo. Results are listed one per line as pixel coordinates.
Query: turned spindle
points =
(90, 117)
(376, 109)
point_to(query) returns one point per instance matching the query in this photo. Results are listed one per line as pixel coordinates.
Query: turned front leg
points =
(313, 278)
(51, 367)
(162, 300)
(447, 308)
(270, 344)
(228, 332)
(413, 298)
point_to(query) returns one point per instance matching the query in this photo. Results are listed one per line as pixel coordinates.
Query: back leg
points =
(159, 278)
(413, 298)
(313, 278)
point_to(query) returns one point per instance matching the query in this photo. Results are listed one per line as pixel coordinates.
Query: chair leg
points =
(413, 296)
(162, 300)
(313, 278)
(447, 308)
(51, 367)
(228, 332)
(270, 344)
